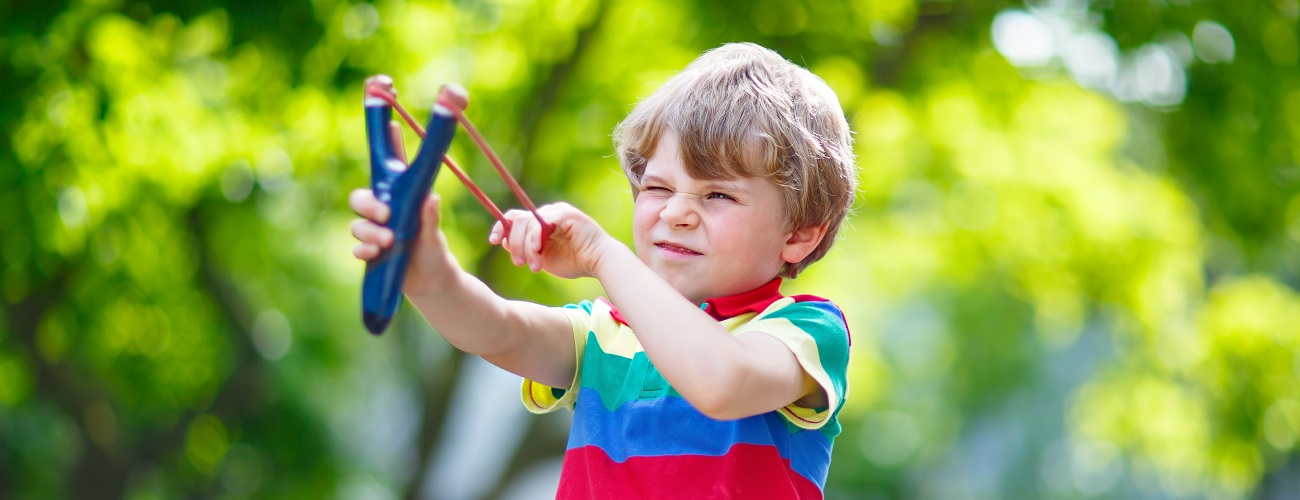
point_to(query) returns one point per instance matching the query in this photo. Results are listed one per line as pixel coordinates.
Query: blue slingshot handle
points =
(403, 189)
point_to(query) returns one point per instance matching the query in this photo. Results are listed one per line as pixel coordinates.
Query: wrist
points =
(612, 257)
(433, 282)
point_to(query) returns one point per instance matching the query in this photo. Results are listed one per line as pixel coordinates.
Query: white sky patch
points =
(1023, 38)
(1154, 74)
(1093, 60)
(1158, 78)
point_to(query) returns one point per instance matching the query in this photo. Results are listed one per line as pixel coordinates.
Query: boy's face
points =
(707, 238)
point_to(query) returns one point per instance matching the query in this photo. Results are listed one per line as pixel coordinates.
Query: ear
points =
(802, 242)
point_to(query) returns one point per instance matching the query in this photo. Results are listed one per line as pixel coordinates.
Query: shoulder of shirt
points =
(823, 308)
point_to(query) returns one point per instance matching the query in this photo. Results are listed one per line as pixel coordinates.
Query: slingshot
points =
(403, 187)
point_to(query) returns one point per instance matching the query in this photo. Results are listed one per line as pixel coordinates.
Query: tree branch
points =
(545, 95)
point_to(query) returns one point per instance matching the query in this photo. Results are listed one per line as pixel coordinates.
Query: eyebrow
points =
(719, 184)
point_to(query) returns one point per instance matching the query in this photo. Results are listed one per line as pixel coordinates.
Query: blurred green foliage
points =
(1072, 271)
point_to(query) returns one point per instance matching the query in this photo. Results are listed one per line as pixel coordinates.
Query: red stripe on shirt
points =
(746, 471)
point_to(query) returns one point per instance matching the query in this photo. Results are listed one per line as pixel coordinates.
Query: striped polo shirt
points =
(634, 436)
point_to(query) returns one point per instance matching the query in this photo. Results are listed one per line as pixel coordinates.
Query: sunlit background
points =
(1072, 271)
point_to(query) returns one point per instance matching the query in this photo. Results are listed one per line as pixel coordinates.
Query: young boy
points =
(695, 378)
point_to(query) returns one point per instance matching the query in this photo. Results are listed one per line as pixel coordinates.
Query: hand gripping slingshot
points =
(404, 187)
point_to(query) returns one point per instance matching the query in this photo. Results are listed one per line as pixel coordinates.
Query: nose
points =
(680, 211)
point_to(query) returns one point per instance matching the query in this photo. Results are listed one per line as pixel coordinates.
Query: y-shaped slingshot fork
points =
(404, 187)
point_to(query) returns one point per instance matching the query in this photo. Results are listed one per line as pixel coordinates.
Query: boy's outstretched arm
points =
(724, 376)
(527, 339)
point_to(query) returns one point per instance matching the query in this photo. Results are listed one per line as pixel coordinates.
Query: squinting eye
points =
(719, 196)
(655, 189)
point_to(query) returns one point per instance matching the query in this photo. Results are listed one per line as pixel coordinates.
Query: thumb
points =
(429, 216)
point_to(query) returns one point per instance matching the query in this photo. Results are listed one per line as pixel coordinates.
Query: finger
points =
(430, 208)
(518, 236)
(535, 248)
(373, 234)
(364, 203)
(553, 214)
(497, 234)
(429, 216)
(535, 244)
(365, 251)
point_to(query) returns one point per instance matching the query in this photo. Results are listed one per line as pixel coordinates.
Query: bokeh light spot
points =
(1023, 38)
(1213, 42)
(1093, 60)
(272, 334)
(361, 21)
(72, 207)
(237, 181)
(1282, 424)
(205, 443)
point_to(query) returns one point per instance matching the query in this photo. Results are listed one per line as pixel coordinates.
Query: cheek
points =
(640, 211)
(647, 206)
(731, 238)
(643, 215)
(755, 241)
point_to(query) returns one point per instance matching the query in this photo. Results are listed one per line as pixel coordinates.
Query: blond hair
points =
(742, 110)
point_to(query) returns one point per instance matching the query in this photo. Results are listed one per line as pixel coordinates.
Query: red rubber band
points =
(391, 100)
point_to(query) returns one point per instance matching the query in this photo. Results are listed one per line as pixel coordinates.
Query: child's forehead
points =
(669, 161)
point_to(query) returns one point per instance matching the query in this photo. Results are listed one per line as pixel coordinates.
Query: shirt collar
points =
(756, 301)
(721, 308)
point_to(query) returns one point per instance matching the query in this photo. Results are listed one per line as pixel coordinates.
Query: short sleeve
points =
(817, 334)
(541, 398)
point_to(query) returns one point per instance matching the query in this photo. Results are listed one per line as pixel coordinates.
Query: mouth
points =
(676, 249)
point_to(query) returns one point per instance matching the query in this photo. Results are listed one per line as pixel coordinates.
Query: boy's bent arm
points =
(723, 376)
(527, 339)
